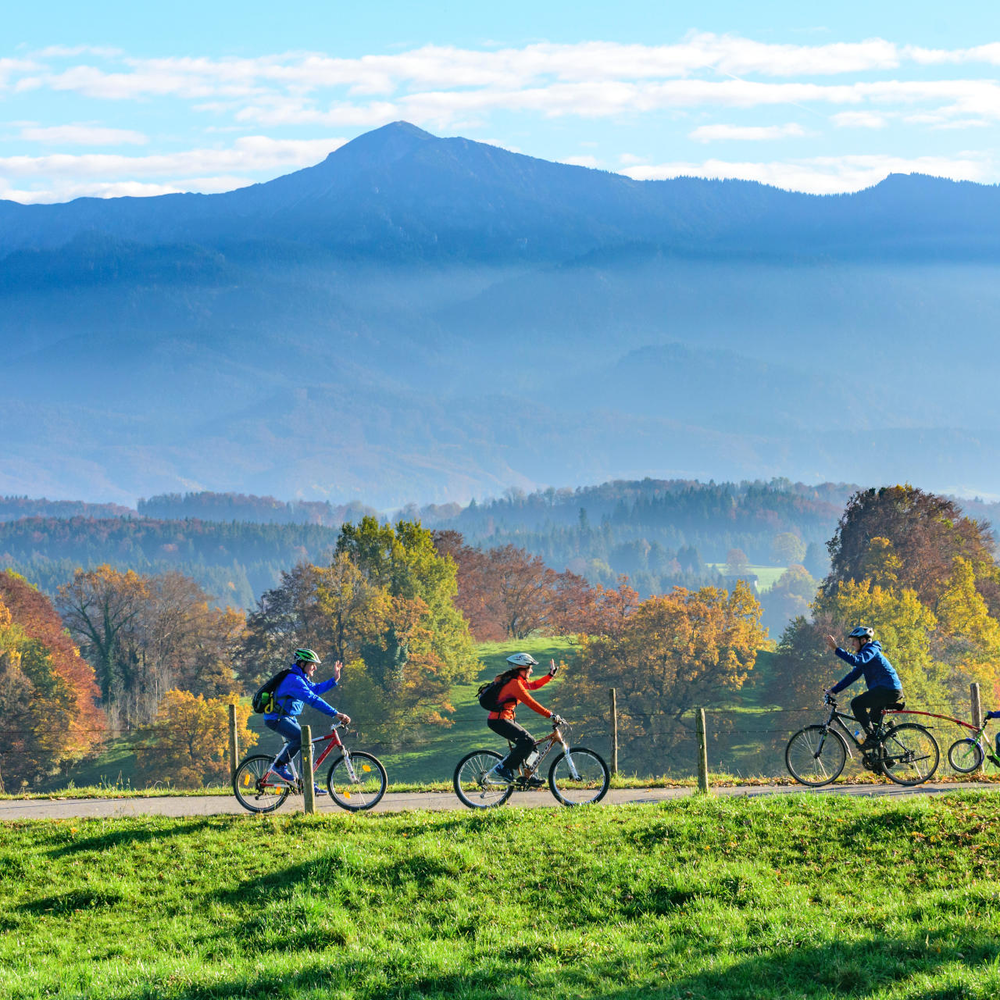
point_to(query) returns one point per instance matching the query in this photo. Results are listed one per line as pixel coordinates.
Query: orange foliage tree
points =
(47, 691)
(676, 652)
(507, 593)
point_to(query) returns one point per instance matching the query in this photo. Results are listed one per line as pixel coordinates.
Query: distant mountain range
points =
(425, 319)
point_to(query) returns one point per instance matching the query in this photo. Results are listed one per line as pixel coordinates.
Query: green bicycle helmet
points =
(306, 656)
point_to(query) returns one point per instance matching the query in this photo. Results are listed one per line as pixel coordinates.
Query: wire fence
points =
(741, 742)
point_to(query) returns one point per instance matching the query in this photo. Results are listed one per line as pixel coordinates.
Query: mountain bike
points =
(906, 753)
(967, 755)
(356, 779)
(577, 775)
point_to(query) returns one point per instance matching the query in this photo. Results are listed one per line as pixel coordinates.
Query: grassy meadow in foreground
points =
(786, 897)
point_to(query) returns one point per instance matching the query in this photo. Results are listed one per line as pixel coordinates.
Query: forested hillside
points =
(234, 561)
(209, 506)
(659, 532)
(12, 508)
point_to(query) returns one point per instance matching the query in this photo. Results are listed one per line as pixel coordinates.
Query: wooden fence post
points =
(702, 753)
(976, 709)
(976, 705)
(234, 742)
(614, 732)
(308, 791)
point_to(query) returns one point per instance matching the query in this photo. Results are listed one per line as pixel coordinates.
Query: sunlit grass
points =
(721, 898)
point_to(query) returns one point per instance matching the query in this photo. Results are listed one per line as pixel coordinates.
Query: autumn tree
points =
(676, 652)
(146, 634)
(404, 561)
(506, 593)
(47, 691)
(187, 744)
(912, 566)
(921, 533)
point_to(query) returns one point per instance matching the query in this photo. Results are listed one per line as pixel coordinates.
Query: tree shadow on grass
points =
(130, 836)
(858, 970)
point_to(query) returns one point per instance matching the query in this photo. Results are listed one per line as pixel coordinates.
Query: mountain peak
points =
(383, 145)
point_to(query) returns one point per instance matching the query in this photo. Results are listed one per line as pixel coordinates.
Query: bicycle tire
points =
(367, 791)
(592, 784)
(249, 790)
(910, 754)
(816, 756)
(965, 756)
(470, 788)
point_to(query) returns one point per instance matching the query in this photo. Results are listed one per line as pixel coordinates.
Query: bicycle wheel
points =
(965, 756)
(586, 781)
(365, 789)
(911, 754)
(471, 785)
(816, 755)
(251, 789)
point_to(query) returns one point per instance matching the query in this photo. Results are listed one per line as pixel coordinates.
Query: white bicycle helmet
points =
(522, 660)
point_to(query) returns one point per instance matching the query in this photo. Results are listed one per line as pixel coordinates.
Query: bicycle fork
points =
(573, 772)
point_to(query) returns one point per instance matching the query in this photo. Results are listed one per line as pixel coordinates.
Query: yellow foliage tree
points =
(188, 743)
(902, 624)
(968, 636)
(676, 652)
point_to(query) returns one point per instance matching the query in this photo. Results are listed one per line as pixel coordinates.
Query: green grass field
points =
(818, 897)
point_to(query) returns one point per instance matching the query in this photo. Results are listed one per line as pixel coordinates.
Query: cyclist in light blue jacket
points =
(292, 695)
(884, 686)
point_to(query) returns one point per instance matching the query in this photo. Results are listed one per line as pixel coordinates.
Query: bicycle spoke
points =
(815, 755)
(473, 785)
(579, 777)
(256, 786)
(356, 781)
(911, 754)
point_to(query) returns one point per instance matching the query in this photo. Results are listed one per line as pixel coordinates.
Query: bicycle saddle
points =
(895, 706)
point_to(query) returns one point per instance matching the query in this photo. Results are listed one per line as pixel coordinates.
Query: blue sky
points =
(111, 98)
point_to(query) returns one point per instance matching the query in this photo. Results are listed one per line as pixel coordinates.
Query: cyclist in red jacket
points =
(514, 689)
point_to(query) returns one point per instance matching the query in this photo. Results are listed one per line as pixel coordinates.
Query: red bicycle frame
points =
(947, 718)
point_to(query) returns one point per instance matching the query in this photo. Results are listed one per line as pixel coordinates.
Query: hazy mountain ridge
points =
(433, 319)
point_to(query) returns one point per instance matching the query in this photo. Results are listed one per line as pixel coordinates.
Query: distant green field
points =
(767, 576)
(730, 899)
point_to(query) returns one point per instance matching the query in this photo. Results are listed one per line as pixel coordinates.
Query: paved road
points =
(211, 805)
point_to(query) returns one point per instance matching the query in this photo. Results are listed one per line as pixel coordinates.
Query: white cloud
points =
(67, 190)
(444, 67)
(630, 160)
(751, 133)
(198, 169)
(82, 135)
(824, 175)
(581, 161)
(859, 119)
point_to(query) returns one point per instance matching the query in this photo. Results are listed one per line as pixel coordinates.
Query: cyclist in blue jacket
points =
(884, 685)
(292, 694)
